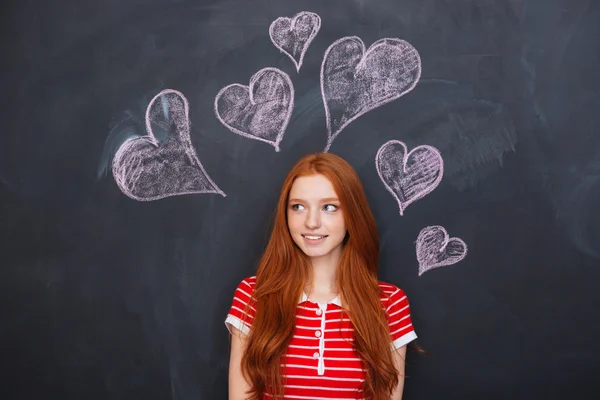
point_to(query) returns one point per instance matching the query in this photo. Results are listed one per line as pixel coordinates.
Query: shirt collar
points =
(335, 301)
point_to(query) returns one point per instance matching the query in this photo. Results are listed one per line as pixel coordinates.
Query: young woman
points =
(315, 323)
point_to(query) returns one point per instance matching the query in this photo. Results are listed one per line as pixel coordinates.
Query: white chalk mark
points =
(146, 169)
(409, 176)
(436, 249)
(354, 82)
(292, 36)
(260, 111)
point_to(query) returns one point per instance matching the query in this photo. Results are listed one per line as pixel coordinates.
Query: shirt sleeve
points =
(239, 315)
(398, 316)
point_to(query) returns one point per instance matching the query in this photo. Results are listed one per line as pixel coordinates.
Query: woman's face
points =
(315, 219)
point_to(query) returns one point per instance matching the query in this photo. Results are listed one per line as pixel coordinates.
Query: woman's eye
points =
(297, 207)
(330, 207)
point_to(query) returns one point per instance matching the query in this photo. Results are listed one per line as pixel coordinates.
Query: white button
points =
(316, 355)
(319, 312)
(318, 333)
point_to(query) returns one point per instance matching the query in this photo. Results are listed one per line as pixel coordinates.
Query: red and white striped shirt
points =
(320, 363)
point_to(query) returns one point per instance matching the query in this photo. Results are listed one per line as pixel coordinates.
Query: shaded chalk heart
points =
(409, 176)
(146, 169)
(354, 82)
(293, 35)
(260, 111)
(435, 249)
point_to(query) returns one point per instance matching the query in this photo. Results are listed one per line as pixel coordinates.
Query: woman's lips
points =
(314, 239)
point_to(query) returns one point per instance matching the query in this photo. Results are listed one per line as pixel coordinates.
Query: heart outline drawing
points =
(146, 169)
(407, 186)
(351, 85)
(282, 28)
(433, 246)
(250, 121)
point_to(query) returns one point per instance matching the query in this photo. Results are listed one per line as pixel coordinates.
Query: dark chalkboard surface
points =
(109, 297)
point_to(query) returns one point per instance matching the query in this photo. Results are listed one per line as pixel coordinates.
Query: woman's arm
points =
(399, 356)
(238, 387)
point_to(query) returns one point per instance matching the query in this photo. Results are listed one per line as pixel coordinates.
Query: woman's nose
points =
(313, 220)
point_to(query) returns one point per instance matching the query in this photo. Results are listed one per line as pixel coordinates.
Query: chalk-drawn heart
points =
(146, 169)
(435, 249)
(293, 35)
(409, 176)
(354, 82)
(260, 111)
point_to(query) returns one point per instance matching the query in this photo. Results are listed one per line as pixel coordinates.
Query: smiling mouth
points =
(314, 237)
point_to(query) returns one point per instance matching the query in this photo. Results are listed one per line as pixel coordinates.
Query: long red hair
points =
(284, 270)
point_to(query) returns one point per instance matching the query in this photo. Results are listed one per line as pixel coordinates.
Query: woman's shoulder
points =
(247, 284)
(243, 295)
(388, 288)
(390, 292)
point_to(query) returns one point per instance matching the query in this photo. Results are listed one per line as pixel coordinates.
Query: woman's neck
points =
(324, 272)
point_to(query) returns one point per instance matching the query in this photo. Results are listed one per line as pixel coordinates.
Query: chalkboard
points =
(119, 265)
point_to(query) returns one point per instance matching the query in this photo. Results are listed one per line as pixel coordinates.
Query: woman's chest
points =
(321, 352)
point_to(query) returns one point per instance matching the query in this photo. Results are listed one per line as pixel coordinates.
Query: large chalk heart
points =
(146, 169)
(409, 176)
(260, 111)
(293, 35)
(354, 82)
(436, 249)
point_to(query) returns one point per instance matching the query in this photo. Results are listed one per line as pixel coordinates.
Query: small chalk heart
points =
(260, 111)
(436, 249)
(409, 176)
(146, 169)
(293, 35)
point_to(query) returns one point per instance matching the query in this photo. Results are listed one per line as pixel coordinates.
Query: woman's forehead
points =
(312, 187)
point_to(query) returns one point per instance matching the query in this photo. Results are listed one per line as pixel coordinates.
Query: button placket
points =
(321, 336)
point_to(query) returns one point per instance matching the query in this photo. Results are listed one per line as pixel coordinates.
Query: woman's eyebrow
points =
(325, 200)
